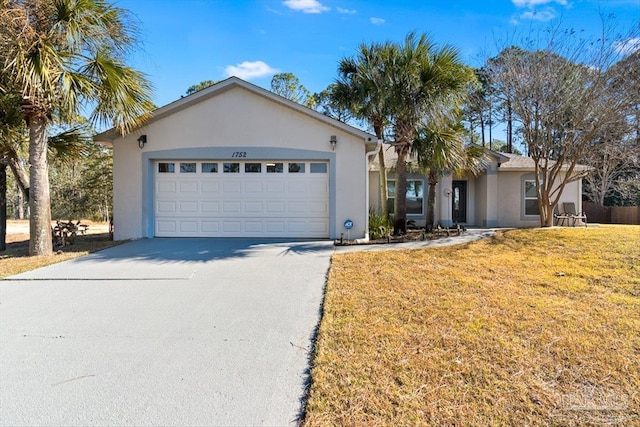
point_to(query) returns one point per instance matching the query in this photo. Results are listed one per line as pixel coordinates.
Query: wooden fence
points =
(611, 215)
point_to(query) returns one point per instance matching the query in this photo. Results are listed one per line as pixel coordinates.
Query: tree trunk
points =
(39, 199)
(3, 205)
(546, 219)
(431, 199)
(19, 171)
(509, 127)
(384, 195)
(20, 204)
(482, 129)
(378, 129)
(400, 208)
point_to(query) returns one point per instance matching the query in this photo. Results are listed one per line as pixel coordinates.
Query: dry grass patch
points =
(532, 327)
(16, 258)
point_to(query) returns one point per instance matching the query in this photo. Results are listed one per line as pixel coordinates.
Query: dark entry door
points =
(459, 202)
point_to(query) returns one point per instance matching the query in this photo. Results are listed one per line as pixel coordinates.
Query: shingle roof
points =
(517, 162)
(508, 161)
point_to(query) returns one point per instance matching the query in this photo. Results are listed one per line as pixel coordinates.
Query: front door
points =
(459, 202)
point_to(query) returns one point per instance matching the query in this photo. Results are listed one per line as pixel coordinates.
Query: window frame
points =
(293, 165)
(391, 198)
(526, 179)
(231, 167)
(170, 167)
(213, 167)
(252, 167)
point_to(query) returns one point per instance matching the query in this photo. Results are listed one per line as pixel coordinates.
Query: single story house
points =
(502, 195)
(236, 160)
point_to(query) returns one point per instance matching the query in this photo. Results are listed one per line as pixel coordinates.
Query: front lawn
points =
(15, 259)
(532, 327)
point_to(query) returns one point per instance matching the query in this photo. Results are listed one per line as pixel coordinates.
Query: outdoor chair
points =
(560, 217)
(570, 209)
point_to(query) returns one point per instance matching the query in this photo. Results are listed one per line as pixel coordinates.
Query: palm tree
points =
(362, 89)
(422, 78)
(63, 57)
(11, 130)
(440, 149)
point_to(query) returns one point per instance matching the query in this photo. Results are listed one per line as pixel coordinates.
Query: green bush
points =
(380, 226)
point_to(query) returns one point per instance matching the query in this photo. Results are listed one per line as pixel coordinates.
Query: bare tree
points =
(561, 95)
(615, 153)
(614, 157)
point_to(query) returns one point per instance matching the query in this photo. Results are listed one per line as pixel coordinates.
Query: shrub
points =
(380, 226)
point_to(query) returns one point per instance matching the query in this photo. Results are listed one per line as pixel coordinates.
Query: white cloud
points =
(627, 47)
(533, 3)
(546, 14)
(346, 11)
(377, 21)
(248, 70)
(306, 6)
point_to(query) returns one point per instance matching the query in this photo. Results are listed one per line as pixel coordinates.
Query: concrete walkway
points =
(163, 332)
(468, 236)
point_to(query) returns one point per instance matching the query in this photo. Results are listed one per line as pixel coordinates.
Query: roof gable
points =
(109, 136)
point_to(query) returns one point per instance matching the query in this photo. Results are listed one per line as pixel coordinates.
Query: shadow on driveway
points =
(169, 258)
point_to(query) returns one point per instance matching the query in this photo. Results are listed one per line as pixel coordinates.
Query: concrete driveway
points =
(163, 332)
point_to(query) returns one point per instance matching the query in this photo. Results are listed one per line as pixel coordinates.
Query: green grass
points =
(532, 327)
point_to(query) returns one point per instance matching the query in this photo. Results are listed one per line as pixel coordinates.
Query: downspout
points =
(367, 157)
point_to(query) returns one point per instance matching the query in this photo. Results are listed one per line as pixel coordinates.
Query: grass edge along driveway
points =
(531, 327)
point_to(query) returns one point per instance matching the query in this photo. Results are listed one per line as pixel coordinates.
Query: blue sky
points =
(187, 41)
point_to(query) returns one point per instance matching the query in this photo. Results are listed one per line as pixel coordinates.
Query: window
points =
(187, 168)
(231, 167)
(530, 198)
(415, 196)
(253, 167)
(166, 167)
(274, 167)
(209, 168)
(318, 168)
(296, 167)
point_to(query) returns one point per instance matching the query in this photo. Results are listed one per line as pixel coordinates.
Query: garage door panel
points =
(208, 186)
(210, 226)
(188, 207)
(253, 187)
(275, 187)
(296, 206)
(166, 226)
(274, 227)
(318, 187)
(253, 227)
(189, 226)
(275, 207)
(319, 226)
(231, 207)
(167, 207)
(230, 226)
(241, 204)
(298, 226)
(233, 187)
(166, 187)
(318, 208)
(253, 207)
(296, 187)
(188, 187)
(210, 207)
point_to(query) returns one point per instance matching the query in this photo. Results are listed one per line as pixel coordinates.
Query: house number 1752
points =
(237, 154)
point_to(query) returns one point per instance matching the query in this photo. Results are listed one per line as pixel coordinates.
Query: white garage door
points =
(210, 198)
